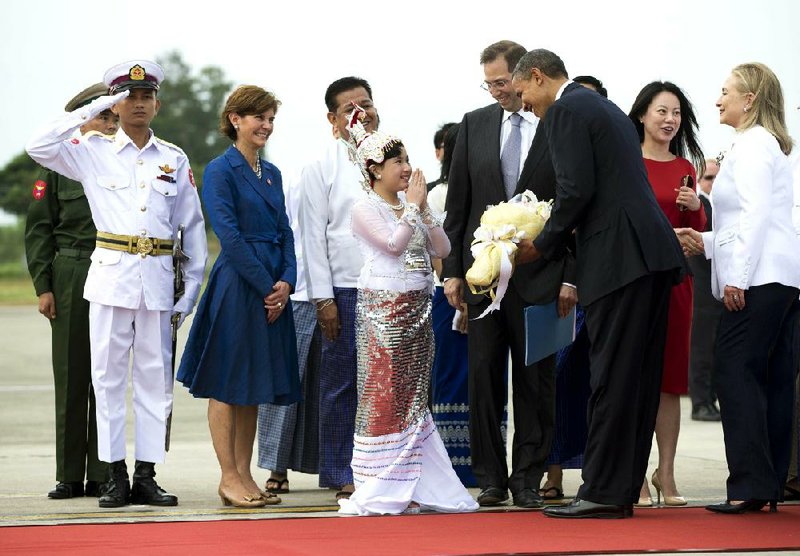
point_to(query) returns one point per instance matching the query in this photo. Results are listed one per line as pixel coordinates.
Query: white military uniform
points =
(133, 192)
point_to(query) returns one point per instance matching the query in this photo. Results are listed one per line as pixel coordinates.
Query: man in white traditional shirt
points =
(140, 190)
(328, 189)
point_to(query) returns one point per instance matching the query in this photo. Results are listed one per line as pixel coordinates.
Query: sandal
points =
(270, 499)
(343, 494)
(277, 486)
(551, 493)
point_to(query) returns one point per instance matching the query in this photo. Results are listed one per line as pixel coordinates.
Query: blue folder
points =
(545, 333)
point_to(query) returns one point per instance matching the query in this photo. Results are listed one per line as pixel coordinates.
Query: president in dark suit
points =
(498, 154)
(628, 257)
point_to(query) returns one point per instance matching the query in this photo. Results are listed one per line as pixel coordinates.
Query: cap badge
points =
(166, 169)
(136, 73)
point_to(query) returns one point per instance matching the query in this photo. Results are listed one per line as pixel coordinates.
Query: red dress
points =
(665, 178)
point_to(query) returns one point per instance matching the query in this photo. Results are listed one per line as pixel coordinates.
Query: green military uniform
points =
(59, 238)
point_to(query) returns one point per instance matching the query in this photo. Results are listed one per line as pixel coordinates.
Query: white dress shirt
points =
(396, 251)
(753, 241)
(563, 86)
(527, 129)
(291, 193)
(796, 174)
(328, 190)
(132, 192)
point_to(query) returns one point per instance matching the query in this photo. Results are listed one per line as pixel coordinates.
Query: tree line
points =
(190, 106)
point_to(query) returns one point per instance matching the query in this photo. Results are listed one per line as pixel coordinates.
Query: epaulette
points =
(170, 145)
(98, 134)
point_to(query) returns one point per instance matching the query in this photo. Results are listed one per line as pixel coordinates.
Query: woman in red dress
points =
(666, 123)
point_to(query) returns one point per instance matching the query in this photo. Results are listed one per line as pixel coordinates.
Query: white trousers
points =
(116, 334)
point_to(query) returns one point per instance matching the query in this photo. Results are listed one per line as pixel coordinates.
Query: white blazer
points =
(795, 158)
(131, 191)
(753, 241)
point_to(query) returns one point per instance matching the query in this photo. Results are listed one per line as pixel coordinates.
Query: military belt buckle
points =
(144, 246)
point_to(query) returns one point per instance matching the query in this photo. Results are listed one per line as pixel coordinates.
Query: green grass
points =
(17, 291)
(16, 287)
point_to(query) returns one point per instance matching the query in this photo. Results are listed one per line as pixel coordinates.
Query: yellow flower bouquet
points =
(495, 245)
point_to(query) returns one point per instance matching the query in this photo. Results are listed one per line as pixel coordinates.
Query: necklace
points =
(256, 166)
(398, 206)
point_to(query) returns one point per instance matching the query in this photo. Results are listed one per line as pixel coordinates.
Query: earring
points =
(236, 127)
(746, 109)
(377, 176)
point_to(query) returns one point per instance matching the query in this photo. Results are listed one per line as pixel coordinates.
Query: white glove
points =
(181, 318)
(184, 307)
(106, 101)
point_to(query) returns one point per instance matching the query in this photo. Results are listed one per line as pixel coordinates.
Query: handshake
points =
(691, 241)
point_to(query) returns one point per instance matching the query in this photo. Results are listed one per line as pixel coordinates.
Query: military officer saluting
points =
(141, 191)
(59, 238)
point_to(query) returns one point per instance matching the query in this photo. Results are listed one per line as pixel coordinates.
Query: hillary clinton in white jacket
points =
(755, 270)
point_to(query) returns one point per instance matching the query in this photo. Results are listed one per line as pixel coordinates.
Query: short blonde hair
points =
(768, 107)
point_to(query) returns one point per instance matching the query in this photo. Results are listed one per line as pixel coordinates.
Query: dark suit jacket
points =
(476, 181)
(603, 194)
(701, 269)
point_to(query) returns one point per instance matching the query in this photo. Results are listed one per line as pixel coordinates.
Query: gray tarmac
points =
(27, 451)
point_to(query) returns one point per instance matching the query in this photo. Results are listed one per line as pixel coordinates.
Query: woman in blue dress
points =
(241, 349)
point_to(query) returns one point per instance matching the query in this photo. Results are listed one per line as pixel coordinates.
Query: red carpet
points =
(659, 530)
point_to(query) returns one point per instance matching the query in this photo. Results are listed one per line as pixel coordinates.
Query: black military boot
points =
(145, 490)
(117, 489)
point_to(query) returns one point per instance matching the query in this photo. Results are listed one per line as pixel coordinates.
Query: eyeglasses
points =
(498, 84)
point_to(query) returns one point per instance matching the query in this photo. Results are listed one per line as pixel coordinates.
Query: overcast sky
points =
(421, 57)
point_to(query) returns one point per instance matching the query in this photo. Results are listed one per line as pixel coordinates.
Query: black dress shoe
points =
(93, 488)
(492, 496)
(742, 507)
(145, 489)
(117, 490)
(706, 412)
(66, 490)
(528, 498)
(584, 509)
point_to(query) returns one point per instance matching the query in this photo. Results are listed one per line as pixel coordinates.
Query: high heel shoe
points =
(668, 500)
(645, 500)
(245, 502)
(742, 507)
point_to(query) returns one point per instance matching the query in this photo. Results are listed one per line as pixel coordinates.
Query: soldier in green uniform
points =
(59, 238)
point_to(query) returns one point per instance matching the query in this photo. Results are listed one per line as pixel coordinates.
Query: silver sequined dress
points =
(398, 456)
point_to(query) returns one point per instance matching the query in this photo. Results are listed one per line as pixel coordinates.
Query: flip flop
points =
(551, 493)
(277, 486)
(343, 494)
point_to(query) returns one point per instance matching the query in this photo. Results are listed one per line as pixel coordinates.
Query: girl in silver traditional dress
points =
(399, 462)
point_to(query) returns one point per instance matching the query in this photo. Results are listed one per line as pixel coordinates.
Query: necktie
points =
(509, 160)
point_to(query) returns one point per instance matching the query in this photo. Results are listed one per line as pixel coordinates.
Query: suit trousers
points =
(705, 321)
(76, 425)
(627, 330)
(533, 394)
(754, 377)
(116, 334)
